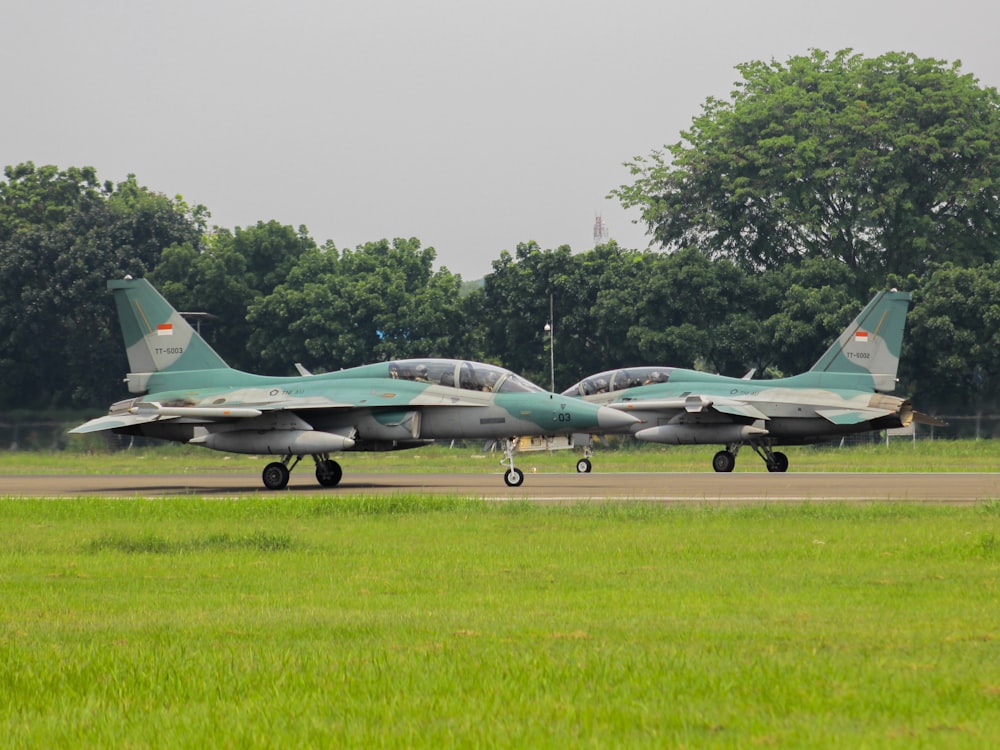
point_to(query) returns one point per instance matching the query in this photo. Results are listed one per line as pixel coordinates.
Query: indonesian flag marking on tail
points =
(165, 329)
(861, 336)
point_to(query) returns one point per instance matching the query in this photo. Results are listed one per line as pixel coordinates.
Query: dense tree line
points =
(62, 235)
(781, 212)
(888, 164)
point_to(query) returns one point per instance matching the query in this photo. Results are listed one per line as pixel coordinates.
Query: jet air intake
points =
(682, 434)
(276, 442)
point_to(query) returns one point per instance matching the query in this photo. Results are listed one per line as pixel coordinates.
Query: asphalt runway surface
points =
(547, 487)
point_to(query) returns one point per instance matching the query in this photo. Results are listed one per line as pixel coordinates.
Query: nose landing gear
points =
(512, 477)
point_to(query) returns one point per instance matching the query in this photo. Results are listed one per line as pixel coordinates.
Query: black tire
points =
(780, 463)
(329, 473)
(583, 466)
(276, 476)
(514, 477)
(723, 461)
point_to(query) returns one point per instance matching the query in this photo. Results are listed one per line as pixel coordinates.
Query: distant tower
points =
(600, 230)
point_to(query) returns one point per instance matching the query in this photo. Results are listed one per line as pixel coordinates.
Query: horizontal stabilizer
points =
(921, 418)
(852, 416)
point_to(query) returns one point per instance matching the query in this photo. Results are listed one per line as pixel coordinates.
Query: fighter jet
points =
(843, 393)
(190, 395)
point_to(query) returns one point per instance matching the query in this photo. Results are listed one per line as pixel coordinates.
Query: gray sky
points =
(470, 125)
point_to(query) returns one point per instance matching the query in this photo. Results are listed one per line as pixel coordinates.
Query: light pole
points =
(550, 329)
(198, 317)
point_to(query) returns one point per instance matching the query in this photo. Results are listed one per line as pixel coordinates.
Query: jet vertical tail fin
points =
(870, 345)
(158, 341)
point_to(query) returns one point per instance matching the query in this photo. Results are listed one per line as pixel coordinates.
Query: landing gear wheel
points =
(513, 477)
(723, 461)
(779, 464)
(276, 476)
(328, 473)
(583, 466)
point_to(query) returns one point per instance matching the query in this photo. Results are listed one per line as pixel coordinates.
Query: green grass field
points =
(340, 621)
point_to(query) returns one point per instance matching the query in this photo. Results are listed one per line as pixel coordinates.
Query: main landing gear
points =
(513, 477)
(725, 460)
(277, 473)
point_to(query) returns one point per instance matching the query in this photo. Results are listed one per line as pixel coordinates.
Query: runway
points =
(548, 487)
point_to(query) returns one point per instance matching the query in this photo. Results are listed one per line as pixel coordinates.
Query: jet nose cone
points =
(613, 419)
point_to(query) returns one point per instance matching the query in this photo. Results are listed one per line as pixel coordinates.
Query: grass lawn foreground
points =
(418, 621)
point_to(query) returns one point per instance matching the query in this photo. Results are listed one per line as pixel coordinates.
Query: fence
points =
(46, 435)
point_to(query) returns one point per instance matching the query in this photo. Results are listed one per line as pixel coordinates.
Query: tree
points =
(381, 301)
(613, 308)
(887, 164)
(809, 304)
(951, 356)
(582, 289)
(516, 309)
(225, 274)
(34, 199)
(600, 298)
(62, 236)
(688, 309)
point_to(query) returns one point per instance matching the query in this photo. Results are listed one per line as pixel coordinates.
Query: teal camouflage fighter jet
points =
(843, 393)
(190, 395)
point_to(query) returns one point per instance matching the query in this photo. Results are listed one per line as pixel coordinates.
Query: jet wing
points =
(695, 404)
(153, 411)
(111, 421)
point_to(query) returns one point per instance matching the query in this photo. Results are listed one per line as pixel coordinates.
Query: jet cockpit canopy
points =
(455, 373)
(618, 380)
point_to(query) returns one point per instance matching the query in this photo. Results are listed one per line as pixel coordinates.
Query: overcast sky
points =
(470, 125)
